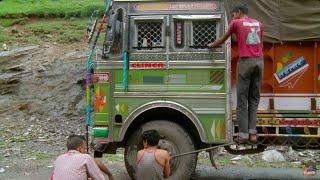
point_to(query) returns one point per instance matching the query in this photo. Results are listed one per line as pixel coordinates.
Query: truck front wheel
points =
(174, 139)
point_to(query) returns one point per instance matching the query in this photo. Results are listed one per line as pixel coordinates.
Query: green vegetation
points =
(2, 143)
(3, 36)
(11, 22)
(224, 161)
(53, 30)
(50, 8)
(36, 154)
(113, 157)
(43, 156)
(39, 21)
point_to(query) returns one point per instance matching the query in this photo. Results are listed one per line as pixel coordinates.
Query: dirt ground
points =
(42, 102)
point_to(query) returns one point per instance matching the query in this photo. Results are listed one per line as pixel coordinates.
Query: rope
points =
(200, 150)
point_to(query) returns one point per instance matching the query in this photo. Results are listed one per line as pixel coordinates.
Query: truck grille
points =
(203, 33)
(149, 35)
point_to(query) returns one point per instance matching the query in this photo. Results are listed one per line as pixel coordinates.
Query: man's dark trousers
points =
(249, 72)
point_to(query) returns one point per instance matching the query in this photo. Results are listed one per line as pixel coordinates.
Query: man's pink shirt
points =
(74, 165)
(249, 33)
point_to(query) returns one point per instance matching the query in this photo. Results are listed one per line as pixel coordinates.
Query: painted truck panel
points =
(291, 76)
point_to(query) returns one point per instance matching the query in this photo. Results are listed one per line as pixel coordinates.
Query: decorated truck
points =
(156, 72)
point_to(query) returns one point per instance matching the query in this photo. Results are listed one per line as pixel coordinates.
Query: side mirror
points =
(112, 34)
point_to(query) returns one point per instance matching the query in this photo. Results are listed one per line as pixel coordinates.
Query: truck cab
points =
(156, 72)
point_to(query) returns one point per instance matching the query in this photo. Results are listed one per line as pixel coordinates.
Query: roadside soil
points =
(41, 103)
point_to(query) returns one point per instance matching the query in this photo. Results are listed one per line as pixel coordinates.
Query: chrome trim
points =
(198, 64)
(288, 135)
(108, 65)
(170, 87)
(202, 17)
(206, 52)
(229, 126)
(203, 64)
(168, 104)
(146, 18)
(209, 110)
(167, 44)
(169, 95)
(290, 95)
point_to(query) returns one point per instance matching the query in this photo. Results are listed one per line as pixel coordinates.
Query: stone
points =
(237, 158)
(298, 163)
(302, 154)
(2, 170)
(32, 118)
(273, 156)
(26, 133)
(292, 154)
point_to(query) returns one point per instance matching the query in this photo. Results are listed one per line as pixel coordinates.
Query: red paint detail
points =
(102, 77)
(294, 122)
(147, 65)
(178, 33)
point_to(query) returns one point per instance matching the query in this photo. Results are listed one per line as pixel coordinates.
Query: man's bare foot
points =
(253, 138)
(240, 140)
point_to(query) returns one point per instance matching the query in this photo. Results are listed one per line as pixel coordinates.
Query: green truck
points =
(156, 72)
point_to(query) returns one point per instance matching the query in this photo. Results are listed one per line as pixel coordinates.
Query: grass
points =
(38, 31)
(43, 156)
(40, 21)
(50, 8)
(44, 28)
(113, 157)
(225, 161)
(3, 36)
(2, 143)
(11, 22)
(38, 155)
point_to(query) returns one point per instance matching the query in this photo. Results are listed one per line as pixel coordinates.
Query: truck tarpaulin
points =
(285, 20)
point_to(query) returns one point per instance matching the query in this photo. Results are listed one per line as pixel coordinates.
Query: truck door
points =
(148, 54)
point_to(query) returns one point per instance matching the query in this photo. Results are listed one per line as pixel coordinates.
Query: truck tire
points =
(174, 139)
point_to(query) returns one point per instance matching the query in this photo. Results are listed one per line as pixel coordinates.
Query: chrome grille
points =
(149, 35)
(203, 33)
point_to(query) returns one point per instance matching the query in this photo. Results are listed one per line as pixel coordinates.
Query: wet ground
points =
(206, 173)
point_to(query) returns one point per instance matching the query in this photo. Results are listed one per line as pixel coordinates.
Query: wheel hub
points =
(172, 149)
